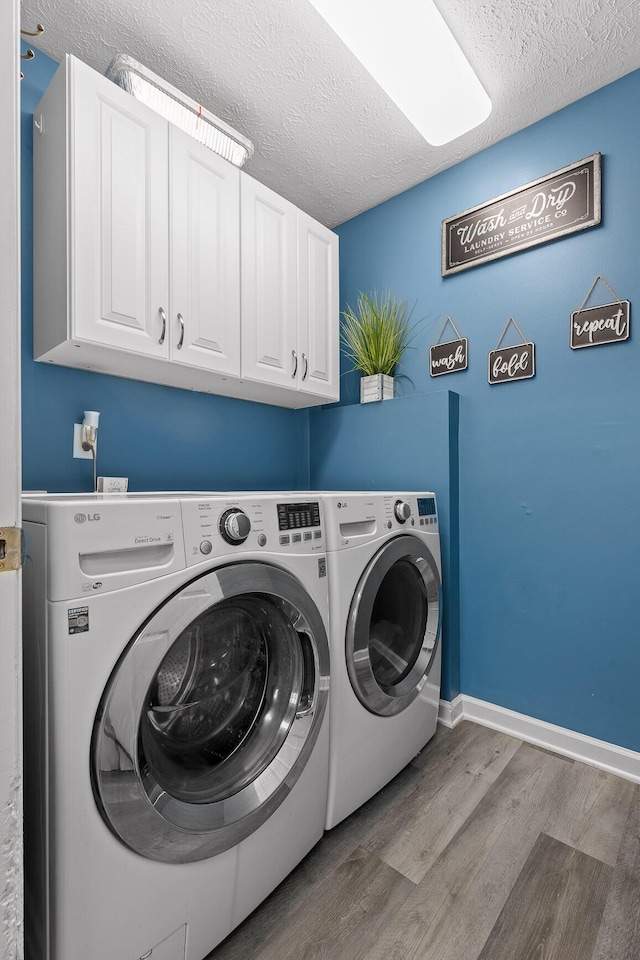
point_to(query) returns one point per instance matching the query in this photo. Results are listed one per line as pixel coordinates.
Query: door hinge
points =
(12, 548)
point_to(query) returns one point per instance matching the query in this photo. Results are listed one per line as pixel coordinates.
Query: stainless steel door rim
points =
(423, 588)
(146, 814)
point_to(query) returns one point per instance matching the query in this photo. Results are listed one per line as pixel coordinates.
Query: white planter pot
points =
(376, 387)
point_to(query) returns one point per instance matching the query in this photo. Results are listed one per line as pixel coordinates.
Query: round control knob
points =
(206, 547)
(262, 540)
(402, 511)
(234, 526)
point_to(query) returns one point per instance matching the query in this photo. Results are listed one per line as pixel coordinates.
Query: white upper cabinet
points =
(156, 259)
(205, 256)
(101, 217)
(119, 227)
(269, 271)
(318, 334)
(289, 273)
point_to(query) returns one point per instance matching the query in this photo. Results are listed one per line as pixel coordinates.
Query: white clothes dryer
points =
(385, 602)
(176, 674)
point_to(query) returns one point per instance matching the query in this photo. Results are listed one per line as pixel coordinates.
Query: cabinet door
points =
(318, 317)
(118, 216)
(205, 256)
(268, 240)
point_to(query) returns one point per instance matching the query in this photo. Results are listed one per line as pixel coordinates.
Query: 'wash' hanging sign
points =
(448, 357)
(595, 326)
(512, 363)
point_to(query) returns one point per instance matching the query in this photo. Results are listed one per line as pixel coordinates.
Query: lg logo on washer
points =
(82, 517)
(341, 504)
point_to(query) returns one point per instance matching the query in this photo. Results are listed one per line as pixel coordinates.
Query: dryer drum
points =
(398, 622)
(393, 627)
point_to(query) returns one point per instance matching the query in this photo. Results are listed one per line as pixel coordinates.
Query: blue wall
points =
(549, 467)
(160, 437)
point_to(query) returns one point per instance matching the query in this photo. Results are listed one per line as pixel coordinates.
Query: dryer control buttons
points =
(235, 526)
(206, 547)
(262, 540)
(402, 511)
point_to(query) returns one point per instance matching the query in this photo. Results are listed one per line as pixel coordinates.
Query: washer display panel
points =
(394, 626)
(211, 714)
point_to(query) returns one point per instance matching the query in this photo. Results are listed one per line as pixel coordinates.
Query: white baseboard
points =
(597, 753)
(451, 712)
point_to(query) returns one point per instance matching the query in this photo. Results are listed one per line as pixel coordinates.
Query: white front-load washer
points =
(383, 553)
(176, 673)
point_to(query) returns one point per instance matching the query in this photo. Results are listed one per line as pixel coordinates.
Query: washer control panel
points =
(293, 516)
(261, 523)
(235, 525)
(299, 523)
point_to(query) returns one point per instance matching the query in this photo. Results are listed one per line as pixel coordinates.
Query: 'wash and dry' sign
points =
(561, 203)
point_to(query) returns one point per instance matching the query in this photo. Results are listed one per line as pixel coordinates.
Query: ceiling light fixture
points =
(409, 50)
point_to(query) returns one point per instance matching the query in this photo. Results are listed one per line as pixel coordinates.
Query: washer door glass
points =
(394, 626)
(211, 714)
(216, 715)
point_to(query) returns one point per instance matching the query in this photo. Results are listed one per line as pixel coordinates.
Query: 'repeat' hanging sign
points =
(561, 203)
(607, 323)
(448, 357)
(512, 363)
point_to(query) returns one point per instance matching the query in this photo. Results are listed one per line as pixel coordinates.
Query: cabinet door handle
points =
(306, 366)
(295, 364)
(164, 325)
(181, 340)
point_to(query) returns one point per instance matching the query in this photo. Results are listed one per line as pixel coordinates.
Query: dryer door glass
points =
(211, 713)
(397, 623)
(394, 626)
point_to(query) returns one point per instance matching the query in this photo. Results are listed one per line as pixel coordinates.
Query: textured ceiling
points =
(326, 136)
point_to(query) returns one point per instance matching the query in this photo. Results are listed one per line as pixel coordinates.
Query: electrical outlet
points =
(78, 452)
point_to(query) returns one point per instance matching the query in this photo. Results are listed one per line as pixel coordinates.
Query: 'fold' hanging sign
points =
(607, 323)
(512, 363)
(448, 357)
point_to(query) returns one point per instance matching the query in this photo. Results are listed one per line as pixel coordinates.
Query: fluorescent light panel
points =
(409, 50)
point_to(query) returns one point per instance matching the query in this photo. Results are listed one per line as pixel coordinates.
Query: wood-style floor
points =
(483, 848)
